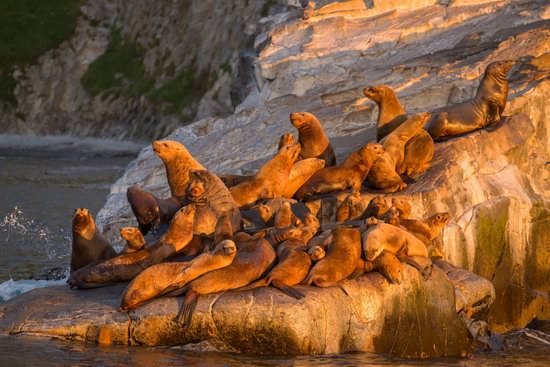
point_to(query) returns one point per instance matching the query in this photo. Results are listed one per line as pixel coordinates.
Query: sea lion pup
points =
(88, 245)
(312, 138)
(152, 214)
(349, 174)
(134, 240)
(301, 172)
(270, 180)
(125, 267)
(211, 199)
(166, 277)
(294, 263)
(178, 161)
(285, 217)
(383, 175)
(393, 239)
(420, 149)
(253, 258)
(403, 207)
(233, 180)
(340, 261)
(484, 109)
(426, 229)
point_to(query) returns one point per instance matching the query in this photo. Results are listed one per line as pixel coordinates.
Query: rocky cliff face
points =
(495, 182)
(136, 69)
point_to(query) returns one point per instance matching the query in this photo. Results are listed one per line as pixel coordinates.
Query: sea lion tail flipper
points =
(257, 284)
(422, 264)
(290, 291)
(323, 284)
(187, 308)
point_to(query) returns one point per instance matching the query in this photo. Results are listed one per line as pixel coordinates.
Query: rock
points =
(414, 319)
(495, 182)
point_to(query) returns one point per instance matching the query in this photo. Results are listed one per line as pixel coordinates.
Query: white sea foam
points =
(12, 288)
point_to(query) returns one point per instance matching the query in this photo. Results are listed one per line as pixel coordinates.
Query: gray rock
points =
(414, 319)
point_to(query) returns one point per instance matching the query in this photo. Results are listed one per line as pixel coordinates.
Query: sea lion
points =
(340, 261)
(419, 150)
(349, 174)
(391, 217)
(178, 161)
(270, 180)
(125, 267)
(309, 11)
(383, 175)
(224, 228)
(393, 239)
(165, 277)
(426, 229)
(376, 207)
(152, 214)
(322, 240)
(403, 207)
(253, 258)
(211, 199)
(294, 263)
(312, 138)
(310, 228)
(134, 240)
(285, 217)
(89, 245)
(275, 236)
(483, 110)
(351, 208)
(233, 180)
(390, 267)
(286, 139)
(301, 172)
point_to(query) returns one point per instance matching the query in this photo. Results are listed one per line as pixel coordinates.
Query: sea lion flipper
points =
(187, 308)
(422, 264)
(290, 291)
(257, 284)
(356, 274)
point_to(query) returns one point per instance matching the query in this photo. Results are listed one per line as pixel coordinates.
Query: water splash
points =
(17, 227)
(12, 288)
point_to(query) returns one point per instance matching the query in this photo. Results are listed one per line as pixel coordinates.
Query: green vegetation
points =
(28, 28)
(120, 71)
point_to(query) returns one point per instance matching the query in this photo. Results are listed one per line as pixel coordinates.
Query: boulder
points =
(415, 319)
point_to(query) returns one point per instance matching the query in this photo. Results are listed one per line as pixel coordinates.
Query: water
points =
(42, 181)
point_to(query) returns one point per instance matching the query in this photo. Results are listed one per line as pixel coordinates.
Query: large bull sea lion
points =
(89, 245)
(178, 161)
(484, 109)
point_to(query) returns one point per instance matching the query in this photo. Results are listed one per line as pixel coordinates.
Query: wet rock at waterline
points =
(415, 319)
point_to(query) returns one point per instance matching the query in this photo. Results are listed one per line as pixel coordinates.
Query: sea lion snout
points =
(316, 253)
(443, 217)
(228, 247)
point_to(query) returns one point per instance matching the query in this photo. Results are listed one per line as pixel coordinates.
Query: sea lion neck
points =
(389, 108)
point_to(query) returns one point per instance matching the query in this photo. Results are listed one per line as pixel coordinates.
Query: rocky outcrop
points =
(415, 319)
(494, 182)
(135, 69)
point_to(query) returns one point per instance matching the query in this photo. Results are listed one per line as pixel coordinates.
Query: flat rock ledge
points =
(416, 319)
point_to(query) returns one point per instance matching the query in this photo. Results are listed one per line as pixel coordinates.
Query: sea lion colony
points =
(243, 232)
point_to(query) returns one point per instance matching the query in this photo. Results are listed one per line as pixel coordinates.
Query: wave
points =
(12, 288)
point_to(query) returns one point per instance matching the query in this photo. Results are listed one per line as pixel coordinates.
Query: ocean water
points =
(42, 181)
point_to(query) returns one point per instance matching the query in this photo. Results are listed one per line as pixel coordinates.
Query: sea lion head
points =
(198, 185)
(228, 247)
(316, 253)
(133, 237)
(286, 139)
(265, 211)
(369, 152)
(83, 223)
(372, 221)
(440, 219)
(378, 205)
(402, 205)
(169, 149)
(291, 151)
(184, 217)
(377, 92)
(144, 206)
(499, 68)
(393, 216)
(301, 119)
